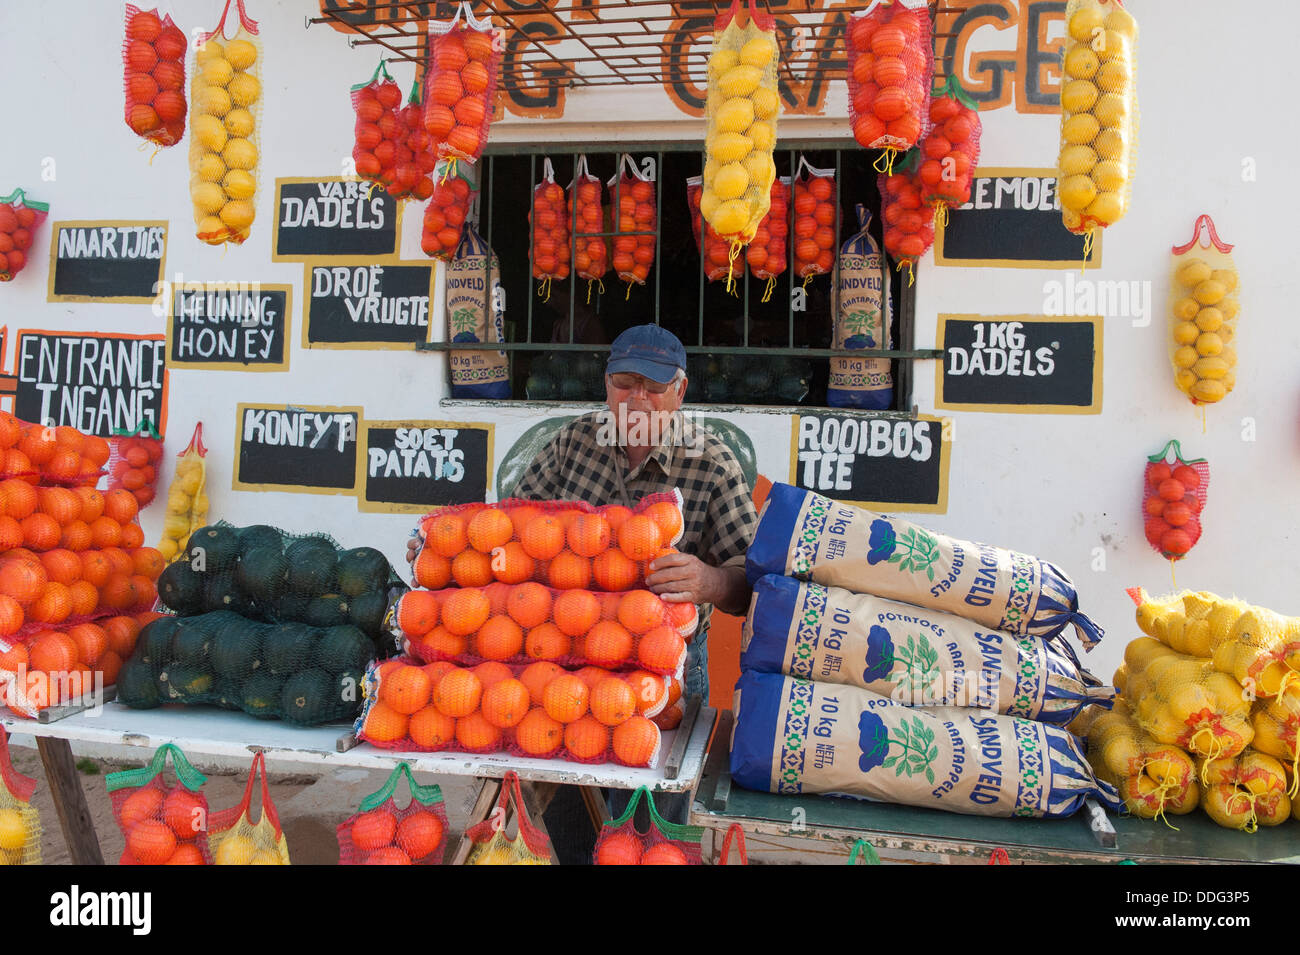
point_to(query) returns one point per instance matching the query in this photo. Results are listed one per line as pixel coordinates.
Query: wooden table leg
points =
(594, 800)
(489, 791)
(70, 801)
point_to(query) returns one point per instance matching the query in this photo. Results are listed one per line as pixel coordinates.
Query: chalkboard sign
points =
(303, 448)
(407, 467)
(1019, 363)
(332, 217)
(885, 463)
(229, 326)
(107, 261)
(96, 382)
(367, 305)
(1013, 221)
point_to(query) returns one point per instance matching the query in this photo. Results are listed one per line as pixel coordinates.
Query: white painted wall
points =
(1055, 486)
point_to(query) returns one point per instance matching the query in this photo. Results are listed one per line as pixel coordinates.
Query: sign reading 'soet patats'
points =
(411, 466)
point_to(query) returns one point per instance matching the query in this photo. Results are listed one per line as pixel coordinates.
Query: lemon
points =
(1111, 46)
(1209, 343)
(1208, 390)
(13, 830)
(1122, 22)
(1077, 160)
(1186, 333)
(731, 217)
(1107, 208)
(730, 147)
(766, 102)
(759, 51)
(1227, 278)
(1209, 292)
(1210, 367)
(266, 857)
(1111, 109)
(731, 181)
(1193, 272)
(1229, 381)
(761, 170)
(213, 100)
(201, 501)
(240, 154)
(244, 89)
(1080, 129)
(1185, 379)
(713, 103)
(762, 135)
(235, 850)
(238, 214)
(709, 203)
(176, 526)
(1209, 319)
(1084, 22)
(241, 54)
(212, 229)
(1077, 192)
(740, 81)
(211, 50)
(209, 132)
(210, 167)
(208, 197)
(216, 71)
(711, 167)
(734, 116)
(167, 547)
(239, 184)
(1081, 63)
(1077, 96)
(1110, 175)
(1113, 77)
(1229, 307)
(1072, 220)
(723, 60)
(11, 856)
(1185, 357)
(1229, 354)
(1110, 144)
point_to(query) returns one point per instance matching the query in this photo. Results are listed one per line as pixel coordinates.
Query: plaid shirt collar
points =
(662, 453)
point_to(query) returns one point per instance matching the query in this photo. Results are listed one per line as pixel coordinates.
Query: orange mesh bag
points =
(162, 824)
(1173, 495)
(1154, 779)
(379, 833)
(225, 93)
(814, 221)
(493, 845)
(889, 76)
(587, 216)
(526, 622)
(234, 839)
(549, 220)
(133, 462)
(716, 250)
(909, 222)
(951, 149)
(52, 456)
(377, 134)
(632, 196)
(1203, 308)
(19, 219)
(20, 822)
(767, 254)
(460, 85)
(541, 711)
(1245, 792)
(416, 175)
(153, 64)
(444, 216)
(663, 843)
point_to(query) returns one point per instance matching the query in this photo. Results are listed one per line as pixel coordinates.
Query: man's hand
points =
(413, 546)
(682, 578)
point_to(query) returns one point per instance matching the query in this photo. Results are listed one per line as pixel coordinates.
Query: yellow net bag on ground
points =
(1245, 792)
(20, 823)
(1153, 778)
(492, 844)
(234, 839)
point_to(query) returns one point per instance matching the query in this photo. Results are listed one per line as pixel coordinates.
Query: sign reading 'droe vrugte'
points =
(410, 466)
(106, 261)
(332, 217)
(367, 306)
(234, 326)
(891, 464)
(296, 448)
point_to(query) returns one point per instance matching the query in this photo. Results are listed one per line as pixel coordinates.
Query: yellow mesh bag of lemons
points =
(1203, 307)
(246, 843)
(20, 822)
(187, 500)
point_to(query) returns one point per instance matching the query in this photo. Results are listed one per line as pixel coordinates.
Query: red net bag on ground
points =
(814, 221)
(1173, 496)
(460, 85)
(380, 833)
(523, 623)
(19, 219)
(444, 216)
(563, 544)
(377, 133)
(133, 462)
(663, 843)
(234, 839)
(20, 822)
(587, 214)
(162, 824)
(492, 843)
(766, 256)
(909, 222)
(550, 229)
(889, 76)
(716, 250)
(951, 149)
(541, 711)
(153, 64)
(632, 193)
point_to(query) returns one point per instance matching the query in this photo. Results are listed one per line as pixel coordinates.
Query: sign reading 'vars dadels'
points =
(97, 383)
(332, 217)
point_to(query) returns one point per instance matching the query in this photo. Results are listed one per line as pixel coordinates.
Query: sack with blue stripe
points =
(862, 320)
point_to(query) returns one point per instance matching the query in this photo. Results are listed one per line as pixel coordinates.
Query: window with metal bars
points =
(744, 346)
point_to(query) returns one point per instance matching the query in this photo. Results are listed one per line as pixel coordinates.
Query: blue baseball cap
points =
(647, 350)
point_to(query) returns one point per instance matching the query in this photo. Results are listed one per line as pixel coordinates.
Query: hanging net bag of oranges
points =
(20, 822)
(909, 222)
(379, 833)
(766, 255)
(889, 76)
(587, 214)
(741, 112)
(377, 133)
(133, 463)
(632, 191)
(19, 219)
(814, 221)
(492, 844)
(162, 824)
(153, 65)
(549, 220)
(1203, 309)
(950, 150)
(226, 95)
(714, 250)
(187, 500)
(460, 85)
(445, 215)
(1174, 491)
(415, 173)
(234, 839)
(663, 843)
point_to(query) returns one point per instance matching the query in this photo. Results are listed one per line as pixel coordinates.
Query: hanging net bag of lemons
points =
(1099, 116)
(234, 839)
(187, 499)
(741, 112)
(20, 823)
(1203, 310)
(225, 93)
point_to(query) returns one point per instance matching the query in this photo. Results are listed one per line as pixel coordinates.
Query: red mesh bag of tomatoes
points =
(379, 833)
(909, 222)
(550, 229)
(1173, 496)
(814, 221)
(460, 84)
(716, 251)
(950, 150)
(632, 194)
(586, 212)
(444, 216)
(767, 254)
(133, 461)
(377, 134)
(163, 824)
(153, 64)
(19, 219)
(663, 843)
(889, 76)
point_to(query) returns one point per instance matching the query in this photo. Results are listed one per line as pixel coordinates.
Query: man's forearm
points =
(733, 591)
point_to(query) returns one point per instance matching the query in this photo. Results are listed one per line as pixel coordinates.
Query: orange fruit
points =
(118, 593)
(66, 436)
(543, 537)
(384, 724)
(10, 430)
(521, 516)
(536, 676)
(506, 703)
(639, 537)
(661, 649)
(19, 464)
(618, 848)
(489, 529)
(684, 616)
(24, 580)
(145, 593)
(537, 734)
(546, 641)
(417, 612)
(446, 535)
(76, 536)
(148, 561)
(406, 689)
(374, 829)
(41, 532)
(151, 842)
(665, 853)
(458, 693)
(105, 531)
(615, 515)
(11, 533)
(184, 812)
(132, 536)
(614, 570)
(568, 571)
(146, 803)
(53, 605)
(120, 560)
(92, 503)
(438, 670)
(490, 673)
(96, 450)
(20, 498)
(512, 565)
(670, 718)
(641, 611)
(389, 855)
(59, 502)
(529, 604)
(465, 611)
(475, 733)
(588, 535)
(85, 598)
(91, 640)
(110, 665)
(431, 569)
(565, 698)
(587, 738)
(62, 565)
(650, 690)
(668, 517)
(500, 638)
(63, 465)
(187, 853)
(471, 568)
(612, 701)
(96, 568)
(576, 611)
(38, 444)
(431, 729)
(121, 506)
(419, 834)
(15, 658)
(636, 741)
(11, 616)
(440, 642)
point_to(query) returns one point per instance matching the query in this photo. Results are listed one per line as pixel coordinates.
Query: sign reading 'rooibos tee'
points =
(376, 305)
(107, 261)
(316, 217)
(884, 463)
(411, 466)
(297, 448)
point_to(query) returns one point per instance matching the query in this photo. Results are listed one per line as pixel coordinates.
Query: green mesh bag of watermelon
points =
(380, 833)
(163, 824)
(663, 842)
